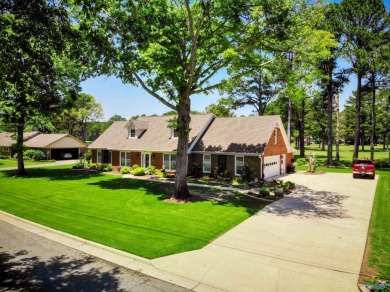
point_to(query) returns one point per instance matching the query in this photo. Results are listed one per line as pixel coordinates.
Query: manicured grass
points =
(346, 152)
(4, 163)
(126, 214)
(379, 232)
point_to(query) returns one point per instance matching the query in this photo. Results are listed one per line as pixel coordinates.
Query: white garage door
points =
(271, 166)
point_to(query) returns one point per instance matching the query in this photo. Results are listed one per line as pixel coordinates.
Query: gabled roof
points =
(140, 125)
(7, 140)
(45, 140)
(157, 136)
(240, 135)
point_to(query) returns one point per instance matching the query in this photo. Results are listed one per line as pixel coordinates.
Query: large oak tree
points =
(37, 67)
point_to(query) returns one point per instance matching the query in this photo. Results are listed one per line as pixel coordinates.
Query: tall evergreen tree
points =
(362, 22)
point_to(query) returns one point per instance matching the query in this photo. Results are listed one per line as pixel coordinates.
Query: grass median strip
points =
(126, 214)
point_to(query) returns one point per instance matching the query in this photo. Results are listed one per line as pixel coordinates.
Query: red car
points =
(363, 167)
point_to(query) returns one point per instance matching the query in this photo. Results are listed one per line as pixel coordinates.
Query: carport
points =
(58, 146)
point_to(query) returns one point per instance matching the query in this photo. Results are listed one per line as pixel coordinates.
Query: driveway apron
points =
(312, 240)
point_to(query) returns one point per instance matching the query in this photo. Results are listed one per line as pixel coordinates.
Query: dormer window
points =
(175, 133)
(132, 133)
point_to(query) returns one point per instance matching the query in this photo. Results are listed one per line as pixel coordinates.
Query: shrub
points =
(139, 171)
(162, 174)
(36, 155)
(105, 167)
(151, 169)
(125, 170)
(88, 156)
(4, 156)
(302, 161)
(92, 166)
(205, 176)
(290, 185)
(248, 173)
(196, 170)
(135, 166)
(264, 192)
(79, 164)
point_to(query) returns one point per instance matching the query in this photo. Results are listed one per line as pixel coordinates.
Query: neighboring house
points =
(7, 140)
(55, 146)
(216, 145)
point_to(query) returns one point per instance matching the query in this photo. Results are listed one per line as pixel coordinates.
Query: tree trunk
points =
(337, 128)
(302, 131)
(373, 117)
(181, 191)
(289, 120)
(330, 120)
(357, 116)
(19, 147)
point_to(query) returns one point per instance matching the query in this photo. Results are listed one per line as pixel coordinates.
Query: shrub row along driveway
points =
(313, 240)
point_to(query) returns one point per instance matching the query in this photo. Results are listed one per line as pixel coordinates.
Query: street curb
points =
(117, 257)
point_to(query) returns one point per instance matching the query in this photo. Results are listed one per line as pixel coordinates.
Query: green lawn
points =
(126, 214)
(4, 163)
(346, 152)
(380, 227)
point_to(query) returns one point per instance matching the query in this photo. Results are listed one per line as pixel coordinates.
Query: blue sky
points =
(127, 100)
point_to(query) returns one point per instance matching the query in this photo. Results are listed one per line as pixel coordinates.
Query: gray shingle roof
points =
(238, 134)
(157, 137)
(44, 140)
(7, 140)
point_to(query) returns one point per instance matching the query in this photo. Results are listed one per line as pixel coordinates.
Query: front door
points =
(145, 160)
(221, 163)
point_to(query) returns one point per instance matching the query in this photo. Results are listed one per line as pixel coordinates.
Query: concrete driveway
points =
(313, 240)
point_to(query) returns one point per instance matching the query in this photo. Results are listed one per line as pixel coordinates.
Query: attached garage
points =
(58, 146)
(271, 166)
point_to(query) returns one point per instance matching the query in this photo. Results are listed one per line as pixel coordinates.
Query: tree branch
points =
(151, 92)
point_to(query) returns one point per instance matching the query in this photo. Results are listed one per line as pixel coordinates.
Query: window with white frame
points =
(126, 159)
(275, 136)
(175, 133)
(169, 161)
(239, 165)
(132, 133)
(6, 149)
(99, 156)
(207, 163)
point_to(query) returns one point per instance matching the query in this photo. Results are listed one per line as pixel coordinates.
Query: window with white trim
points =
(126, 159)
(132, 133)
(99, 156)
(239, 165)
(175, 133)
(275, 136)
(6, 149)
(169, 161)
(206, 163)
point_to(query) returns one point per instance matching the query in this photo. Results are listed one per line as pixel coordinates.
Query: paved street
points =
(29, 262)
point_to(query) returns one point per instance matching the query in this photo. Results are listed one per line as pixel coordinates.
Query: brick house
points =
(216, 145)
